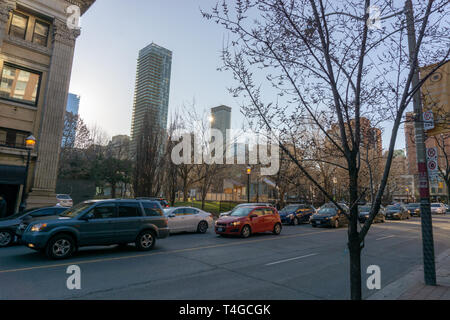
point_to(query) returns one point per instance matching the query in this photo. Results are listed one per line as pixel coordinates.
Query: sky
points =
(113, 32)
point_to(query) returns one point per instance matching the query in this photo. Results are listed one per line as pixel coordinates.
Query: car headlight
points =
(38, 227)
(234, 224)
(291, 215)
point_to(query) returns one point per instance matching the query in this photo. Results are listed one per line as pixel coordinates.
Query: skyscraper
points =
(221, 120)
(73, 103)
(151, 90)
(70, 125)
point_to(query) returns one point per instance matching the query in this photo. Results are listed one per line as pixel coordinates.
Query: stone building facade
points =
(36, 53)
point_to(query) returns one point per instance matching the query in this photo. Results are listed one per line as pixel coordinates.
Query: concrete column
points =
(5, 7)
(52, 123)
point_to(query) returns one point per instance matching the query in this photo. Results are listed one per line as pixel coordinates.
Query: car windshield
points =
(75, 210)
(63, 196)
(241, 212)
(327, 211)
(394, 207)
(291, 207)
(413, 205)
(435, 205)
(20, 214)
(364, 208)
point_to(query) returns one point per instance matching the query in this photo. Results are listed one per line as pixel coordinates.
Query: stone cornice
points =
(62, 33)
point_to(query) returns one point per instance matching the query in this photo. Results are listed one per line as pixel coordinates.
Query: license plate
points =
(221, 229)
(317, 222)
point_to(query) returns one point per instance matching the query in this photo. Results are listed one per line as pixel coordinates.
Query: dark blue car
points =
(296, 213)
(9, 224)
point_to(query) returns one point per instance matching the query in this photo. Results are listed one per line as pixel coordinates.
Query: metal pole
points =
(424, 189)
(24, 192)
(248, 188)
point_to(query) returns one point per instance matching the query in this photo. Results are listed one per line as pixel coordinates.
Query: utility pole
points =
(424, 189)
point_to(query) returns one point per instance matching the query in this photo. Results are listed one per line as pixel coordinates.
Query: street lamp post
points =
(249, 171)
(30, 142)
(334, 188)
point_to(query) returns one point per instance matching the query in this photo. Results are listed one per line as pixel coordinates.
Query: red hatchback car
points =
(244, 221)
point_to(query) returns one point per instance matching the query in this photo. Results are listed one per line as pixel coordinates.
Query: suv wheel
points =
(296, 222)
(6, 238)
(202, 227)
(245, 232)
(60, 247)
(277, 229)
(145, 240)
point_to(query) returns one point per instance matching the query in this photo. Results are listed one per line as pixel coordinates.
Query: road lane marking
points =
(387, 237)
(296, 258)
(160, 253)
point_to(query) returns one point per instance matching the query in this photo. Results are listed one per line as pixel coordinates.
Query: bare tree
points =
(148, 166)
(328, 65)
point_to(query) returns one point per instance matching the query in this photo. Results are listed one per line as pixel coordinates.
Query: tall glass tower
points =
(151, 90)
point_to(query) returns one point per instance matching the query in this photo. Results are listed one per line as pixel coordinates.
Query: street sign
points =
(432, 163)
(428, 120)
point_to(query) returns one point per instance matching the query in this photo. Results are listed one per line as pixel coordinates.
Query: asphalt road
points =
(301, 263)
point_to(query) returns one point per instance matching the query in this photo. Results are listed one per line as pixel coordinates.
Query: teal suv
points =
(96, 222)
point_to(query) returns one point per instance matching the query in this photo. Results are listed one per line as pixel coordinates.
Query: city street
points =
(302, 263)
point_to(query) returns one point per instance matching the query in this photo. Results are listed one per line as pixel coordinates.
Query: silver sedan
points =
(188, 219)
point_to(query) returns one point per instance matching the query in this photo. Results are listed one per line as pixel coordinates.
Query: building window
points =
(18, 26)
(19, 84)
(40, 34)
(13, 138)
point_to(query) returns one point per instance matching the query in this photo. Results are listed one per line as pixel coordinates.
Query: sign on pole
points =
(428, 120)
(432, 163)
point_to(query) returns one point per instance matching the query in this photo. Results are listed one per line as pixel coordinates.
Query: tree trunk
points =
(113, 190)
(185, 190)
(353, 236)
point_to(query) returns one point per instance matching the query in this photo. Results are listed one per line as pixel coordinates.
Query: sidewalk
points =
(412, 287)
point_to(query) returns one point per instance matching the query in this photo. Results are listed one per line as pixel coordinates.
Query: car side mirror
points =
(172, 215)
(253, 216)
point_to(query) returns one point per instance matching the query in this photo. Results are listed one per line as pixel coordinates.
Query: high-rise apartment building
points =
(221, 120)
(151, 94)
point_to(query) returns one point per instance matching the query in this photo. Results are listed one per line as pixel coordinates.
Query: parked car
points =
(414, 209)
(64, 200)
(296, 213)
(8, 225)
(447, 207)
(397, 211)
(188, 219)
(247, 220)
(438, 208)
(329, 215)
(97, 222)
(364, 212)
(227, 213)
(163, 202)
